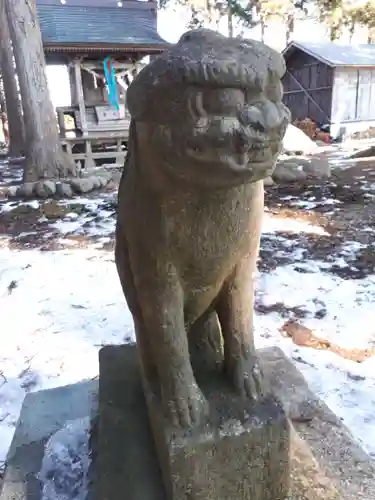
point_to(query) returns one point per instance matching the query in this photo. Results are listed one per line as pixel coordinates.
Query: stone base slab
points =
(43, 413)
(241, 452)
(326, 463)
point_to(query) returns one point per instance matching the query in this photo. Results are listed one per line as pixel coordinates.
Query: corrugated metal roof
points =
(335, 54)
(74, 24)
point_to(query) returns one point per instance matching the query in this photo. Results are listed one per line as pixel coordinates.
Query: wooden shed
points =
(91, 38)
(332, 84)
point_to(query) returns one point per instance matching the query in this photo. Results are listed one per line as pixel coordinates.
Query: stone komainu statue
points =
(207, 122)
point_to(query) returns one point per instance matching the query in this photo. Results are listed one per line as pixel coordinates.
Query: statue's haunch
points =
(206, 129)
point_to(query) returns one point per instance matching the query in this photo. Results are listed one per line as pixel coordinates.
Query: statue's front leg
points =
(183, 402)
(235, 311)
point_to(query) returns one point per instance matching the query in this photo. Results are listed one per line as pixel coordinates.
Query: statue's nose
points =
(274, 115)
(253, 116)
(263, 117)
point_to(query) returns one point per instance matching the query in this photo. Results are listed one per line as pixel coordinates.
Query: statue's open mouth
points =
(244, 158)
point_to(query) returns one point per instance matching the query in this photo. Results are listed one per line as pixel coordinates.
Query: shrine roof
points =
(101, 24)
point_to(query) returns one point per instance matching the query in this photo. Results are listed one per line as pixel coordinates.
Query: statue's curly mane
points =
(203, 58)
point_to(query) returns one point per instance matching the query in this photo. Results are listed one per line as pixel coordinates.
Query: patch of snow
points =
(296, 140)
(71, 215)
(345, 386)
(273, 224)
(66, 305)
(368, 187)
(350, 249)
(11, 205)
(65, 465)
(102, 223)
(63, 308)
(67, 226)
(98, 221)
(310, 203)
(343, 301)
(342, 163)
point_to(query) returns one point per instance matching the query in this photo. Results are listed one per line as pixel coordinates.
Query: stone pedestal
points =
(242, 453)
(326, 462)
(125, 463)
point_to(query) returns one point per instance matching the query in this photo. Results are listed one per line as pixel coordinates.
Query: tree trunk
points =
(2, 97)
(371, 35)
(3, 114)
(335, 31)
(230, 19)
(45, 158)
(262, 27)
(12, 98)
(289, 26)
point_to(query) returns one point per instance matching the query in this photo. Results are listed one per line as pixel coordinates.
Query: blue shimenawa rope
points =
(111, 82)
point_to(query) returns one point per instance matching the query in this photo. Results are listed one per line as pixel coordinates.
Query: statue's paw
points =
(247, 374)
(186, 407)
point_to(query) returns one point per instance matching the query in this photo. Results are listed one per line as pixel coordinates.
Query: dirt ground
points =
(344, 206)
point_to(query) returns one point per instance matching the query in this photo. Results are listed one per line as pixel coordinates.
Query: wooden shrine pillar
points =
(79, 95)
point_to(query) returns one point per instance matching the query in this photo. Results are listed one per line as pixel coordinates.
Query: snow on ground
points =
(59, 308)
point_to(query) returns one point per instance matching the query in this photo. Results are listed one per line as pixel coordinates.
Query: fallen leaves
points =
(303, 336)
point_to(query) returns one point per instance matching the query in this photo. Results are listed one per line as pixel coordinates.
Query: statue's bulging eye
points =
(222, 101)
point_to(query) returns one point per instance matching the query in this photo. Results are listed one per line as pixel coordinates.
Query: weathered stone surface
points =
(45, 189)
(128, 463)
(333, 452)
(242, 453)
(103, 179)
(368, 152)
(89, 183)
(82, 185)
(39, 190)
(192, 190)
(268, 181)
(26, 190)
(308, 479)
(289, 171)
(12, 191)
(43, 413)
(96, 182)
(326, 463)
(318, 168)
(295, 169)
(64, 190)
(61, 188)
